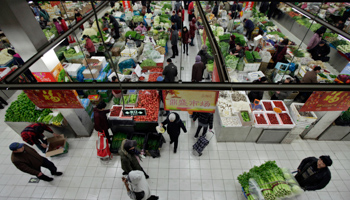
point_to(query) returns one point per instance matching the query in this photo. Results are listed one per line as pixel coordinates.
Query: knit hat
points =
(172, 117)
(129, 144)
(160, 78)
(198, 58)
(326, 160)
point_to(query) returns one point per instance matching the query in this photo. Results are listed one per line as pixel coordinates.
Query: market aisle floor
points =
(172, 176)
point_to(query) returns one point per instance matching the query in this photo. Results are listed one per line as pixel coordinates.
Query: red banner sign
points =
(54, 98)
(248, 6)
(327, 101)
(127, 5)
(44, 77)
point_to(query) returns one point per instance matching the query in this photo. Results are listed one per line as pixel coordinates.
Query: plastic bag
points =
(148, 47)
(129, 63)
(154, 55)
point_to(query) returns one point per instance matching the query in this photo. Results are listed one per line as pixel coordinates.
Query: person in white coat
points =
(137, 186)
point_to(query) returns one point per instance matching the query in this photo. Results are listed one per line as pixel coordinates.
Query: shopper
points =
(174, 124)
(58, 26)
(43, 13)
(316, 38)
(321, 51)
(35, 10)
(181, 13)
(215, 9)
(204, 54)
(33, 134)
(197, 70)
(232, 42)
(281, 95)
(78, 17)
(177, 6)
(204, 120)
(281, 50)
(193, 28)
(235, 10)
(89, 46)
(237, 51)
(264, 7)
(112, 3)
(160, 92)
(105, 26)
(313, 173)
(141, 28)
(43, 23)
(174, 18)
(101, 121)
(19, 62)
(249, 26)
(29, 161)
(311, 76)
(340, 25)
(116, 93)
(115, 24)
(63, 24)
(137, 186)
(174, 40)
(230, 24)
(129, 157)
(272, 9)
(185, 39)
(257, 94)
(170, 71)
(190, 11)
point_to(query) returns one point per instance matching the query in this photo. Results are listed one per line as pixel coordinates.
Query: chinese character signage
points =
(248, 6)
(54, 98)
(190, 100)
(327, 101)
(127, 5)
(44, 77)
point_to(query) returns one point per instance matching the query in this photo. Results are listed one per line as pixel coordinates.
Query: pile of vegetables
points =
(90, 32)
(131, 33)
(57, 121)
(256, 56)
(224, 37)
(139, 141)
(249, 56)
(339, 42)
(231, 61)
(161, 42)
(276, 33)
(47, 119)
(153, 144)
(71, 53)
(118, 139)
(48, 34)
(133, 98)
(274, 182)
(245, 116)
(239, 38)
(23, 110)
(224, 47)
(148, 99)
(210, 67)
(138, 18)
(344, 48)
(148, 15)
(153, 77)
(42, 116)
(148, 63)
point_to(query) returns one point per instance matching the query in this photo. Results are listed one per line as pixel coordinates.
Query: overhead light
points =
(301, 13)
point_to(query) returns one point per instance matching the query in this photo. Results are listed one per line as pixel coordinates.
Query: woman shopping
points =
(89, 45)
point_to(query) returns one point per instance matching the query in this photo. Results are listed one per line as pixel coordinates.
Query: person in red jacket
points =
(190, 11)
(89, 45)
(63, 24)
(193, 28)
(185, 39)
(101, 121)
(182, 12)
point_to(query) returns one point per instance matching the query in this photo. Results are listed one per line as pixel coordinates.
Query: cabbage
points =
(90, 32)
(155, 32)
(219, 31)
(148, 15)
(94, 26)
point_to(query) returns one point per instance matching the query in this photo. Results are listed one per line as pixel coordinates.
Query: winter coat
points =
(185, 37)
(249, 25)
(318, 180)
(106, 24)
(129, 162)
(45, 15)
(182, 14)
(216, 10)
(281, 51)
(320, 51)
(115, 24)
(230, 26)
(190, 8)
(193, 28)
(205, 56)
(28, 161)
(64, 25)
(177, 6)
(316, 38)
(100, 119)
(139, 188)
(256, 94)
(174, 37)
(197, 72)
(58, 27)
(43, 24)
(204, 118)
(310, 77)
(174, 127)
(170, 72)
(240, 52)
(90, 46)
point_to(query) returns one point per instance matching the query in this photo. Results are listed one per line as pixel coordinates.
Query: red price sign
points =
(54, 98)
(327, 101)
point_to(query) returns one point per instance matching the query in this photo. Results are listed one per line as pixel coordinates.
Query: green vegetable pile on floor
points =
(148, 63)
(116, 101)
(239, 38)
(137, 18)
(117, 140)
(43, 115)
(298, 53)
(224, 47)
(224, 37)
(139, 140)
(249, 56)
(161, 42)
(23, 110)
(276, 33)
(231, 61)
(256, 56)
(273, 181)
(153, 144)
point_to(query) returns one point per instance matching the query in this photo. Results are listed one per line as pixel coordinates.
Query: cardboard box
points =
(56, 146)
(93, 74)
(93, 64)
(116, 51)
(101, 59)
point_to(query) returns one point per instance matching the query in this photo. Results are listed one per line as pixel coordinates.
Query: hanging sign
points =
(44, 77)
(327, 101)
(54, 98)
(127, 5)
(190, 100)
(134, 112)
(248, 6)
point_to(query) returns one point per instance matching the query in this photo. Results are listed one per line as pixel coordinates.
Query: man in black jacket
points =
(115, 24)
(170, 71)
(204, 120)
(174, 126)
(313, 173)
(320, 52)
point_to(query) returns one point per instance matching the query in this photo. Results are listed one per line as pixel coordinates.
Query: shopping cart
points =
(200, 145)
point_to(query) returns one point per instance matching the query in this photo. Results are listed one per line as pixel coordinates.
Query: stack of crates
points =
(88, 107)
(106, 95)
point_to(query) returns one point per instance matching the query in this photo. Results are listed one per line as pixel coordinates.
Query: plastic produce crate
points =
(299, 118)
(292, 125)
(269, 114)
(265, 56)
(261, 125)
